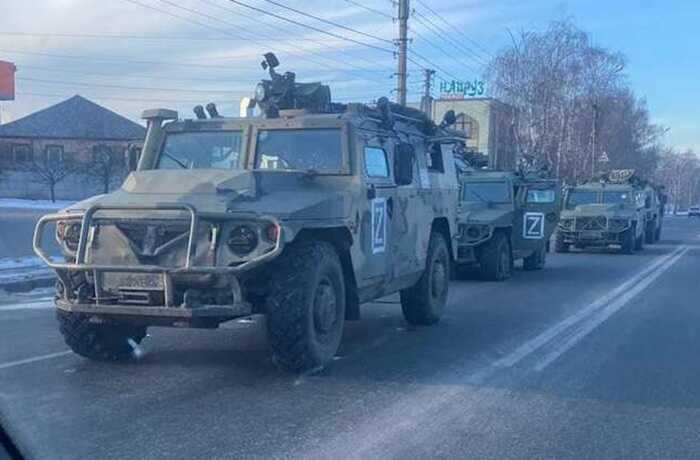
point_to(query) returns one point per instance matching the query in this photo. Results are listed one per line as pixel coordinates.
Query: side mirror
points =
(404, 158)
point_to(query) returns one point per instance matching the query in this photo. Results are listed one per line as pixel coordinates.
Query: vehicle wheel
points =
(495, 260)
(559, 245)
(101, 342)
(628, 241)
(306, 306)
(650, 233)
(536, 260)
(422, 304)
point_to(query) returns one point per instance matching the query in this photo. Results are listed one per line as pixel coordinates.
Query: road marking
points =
(600, 317)
(547, 336)
(35, 359)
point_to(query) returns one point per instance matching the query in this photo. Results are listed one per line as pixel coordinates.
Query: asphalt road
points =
(16, 230)
(594, 357)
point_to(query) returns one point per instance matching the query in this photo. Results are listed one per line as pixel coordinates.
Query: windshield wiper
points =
(179, 162)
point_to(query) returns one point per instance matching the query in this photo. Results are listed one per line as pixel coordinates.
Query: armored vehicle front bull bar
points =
(85, 238)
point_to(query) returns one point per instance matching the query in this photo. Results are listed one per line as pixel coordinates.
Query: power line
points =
(21, 66)
(440, 48)
(143, 37)
(371, 10)
(326, 21)
(140, 88)
(446, 36)
(116, 98)
(209, 26)
(455, 29)
(301, 24)
(257, 21)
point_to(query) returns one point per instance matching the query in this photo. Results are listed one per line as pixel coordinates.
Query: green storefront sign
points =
(457, 88)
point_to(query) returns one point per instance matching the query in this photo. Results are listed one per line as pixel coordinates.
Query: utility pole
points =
(401, 73)
(595, 139)
(426, 103)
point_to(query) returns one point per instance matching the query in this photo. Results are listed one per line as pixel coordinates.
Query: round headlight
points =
(242, 240)
(68, 233)
(473, 232)
(260, 92)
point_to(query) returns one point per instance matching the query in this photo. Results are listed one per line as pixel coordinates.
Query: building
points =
(75, 131)
(488, 125)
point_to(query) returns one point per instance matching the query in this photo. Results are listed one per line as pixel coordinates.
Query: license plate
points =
(145, 281)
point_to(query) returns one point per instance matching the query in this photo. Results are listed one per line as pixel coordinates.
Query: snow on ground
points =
(13, 263)
(16, 203)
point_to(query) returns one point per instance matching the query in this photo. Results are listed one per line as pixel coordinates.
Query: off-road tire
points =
(650, 233)
(99, 342)
(628, 241)
(559, 245)
(305, 306)
(536, 260)
(495, 258)
(422, 304)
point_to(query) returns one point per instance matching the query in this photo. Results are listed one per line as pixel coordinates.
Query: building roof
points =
(74, 118)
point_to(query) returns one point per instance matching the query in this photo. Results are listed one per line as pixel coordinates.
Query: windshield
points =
(487, 192)
(579, 197)
(615, 197)
(201, 150)
(299, 149)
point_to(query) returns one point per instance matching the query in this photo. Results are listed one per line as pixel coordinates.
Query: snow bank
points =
(33, 204)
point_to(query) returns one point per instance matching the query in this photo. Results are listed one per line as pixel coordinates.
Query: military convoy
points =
(619, 209)
(504, 216)
(301, 215)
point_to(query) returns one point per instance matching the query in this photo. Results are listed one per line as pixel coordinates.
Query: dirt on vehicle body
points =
(618, 210)
(505, 216)
(301, 215)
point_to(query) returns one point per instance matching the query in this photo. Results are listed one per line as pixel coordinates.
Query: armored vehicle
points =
(505, 216)
(619, 209)
(300, 215)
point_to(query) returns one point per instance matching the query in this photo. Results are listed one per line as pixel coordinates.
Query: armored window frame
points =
(387, 167)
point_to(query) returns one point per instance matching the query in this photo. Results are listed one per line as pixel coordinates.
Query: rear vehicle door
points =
(537, 214)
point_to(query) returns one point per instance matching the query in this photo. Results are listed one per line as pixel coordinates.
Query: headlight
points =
(618, 224)
(68, 234)
(566, 223)
(242, 240)
(260, 92)
(474, 232)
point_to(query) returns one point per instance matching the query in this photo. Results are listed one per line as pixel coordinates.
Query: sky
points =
(129, 55)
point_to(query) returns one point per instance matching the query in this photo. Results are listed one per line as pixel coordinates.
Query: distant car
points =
(694, 211)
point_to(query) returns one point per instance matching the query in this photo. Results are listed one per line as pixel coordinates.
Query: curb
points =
(28, 284)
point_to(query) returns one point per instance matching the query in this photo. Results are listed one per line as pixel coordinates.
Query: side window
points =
(435, 163)
(540, 196)
(376, 163)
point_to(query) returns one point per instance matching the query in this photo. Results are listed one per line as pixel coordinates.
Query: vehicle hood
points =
(594, 210)
(482, 213)
(285, 195)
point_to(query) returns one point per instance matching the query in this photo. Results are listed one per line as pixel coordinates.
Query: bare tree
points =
(680, 174)
(106, 168)
(573, 103)
(51, 171)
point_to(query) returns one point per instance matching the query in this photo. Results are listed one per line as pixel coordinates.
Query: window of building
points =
(54, 154)
(22, 153)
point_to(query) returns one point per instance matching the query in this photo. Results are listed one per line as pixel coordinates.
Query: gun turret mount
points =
(282, 92)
